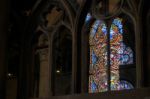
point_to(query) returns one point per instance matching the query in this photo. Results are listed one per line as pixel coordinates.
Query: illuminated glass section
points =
(125, 85)
(88, 17)
(116, 40)
(98, 58)
(120, 54)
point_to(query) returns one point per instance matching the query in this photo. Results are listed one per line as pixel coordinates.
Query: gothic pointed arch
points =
(56, 21)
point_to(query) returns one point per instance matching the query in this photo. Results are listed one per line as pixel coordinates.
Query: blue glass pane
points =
(125, 85)
(124, 58)
(116, 27)
(93, 86)
(118, 23)
(104, 29)
(126, 55)
(88, 17)
(94, 28)
(94, 58)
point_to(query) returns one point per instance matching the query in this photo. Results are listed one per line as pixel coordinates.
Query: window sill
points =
(142, 93)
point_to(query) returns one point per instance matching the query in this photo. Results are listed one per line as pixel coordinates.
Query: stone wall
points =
(11, 89)
(127, 94)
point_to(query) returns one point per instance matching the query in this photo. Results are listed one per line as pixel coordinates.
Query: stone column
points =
(44, 74)
(148, 48)
(139, 54)
(3, 32)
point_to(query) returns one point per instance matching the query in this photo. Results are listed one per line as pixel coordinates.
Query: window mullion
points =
(108, 57)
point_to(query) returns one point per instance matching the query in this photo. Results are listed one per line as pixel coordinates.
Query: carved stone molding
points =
(43, 54)
(103, 10)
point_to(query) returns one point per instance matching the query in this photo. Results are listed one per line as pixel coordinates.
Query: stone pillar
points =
(139, 54)
(3, 32)
(44, 85)
(148, 48)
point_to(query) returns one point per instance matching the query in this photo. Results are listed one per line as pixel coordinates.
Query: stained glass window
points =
(120, 54)
(98, 58)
